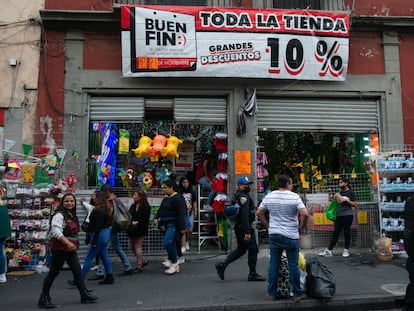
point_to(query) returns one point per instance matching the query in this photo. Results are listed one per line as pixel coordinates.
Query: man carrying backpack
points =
(246, 240)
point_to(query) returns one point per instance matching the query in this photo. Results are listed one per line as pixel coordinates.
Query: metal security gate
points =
(204, 110)
(333, 115)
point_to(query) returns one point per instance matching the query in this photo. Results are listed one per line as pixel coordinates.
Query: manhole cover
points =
(395, 289)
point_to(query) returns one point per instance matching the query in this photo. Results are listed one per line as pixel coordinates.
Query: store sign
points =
(180, 41)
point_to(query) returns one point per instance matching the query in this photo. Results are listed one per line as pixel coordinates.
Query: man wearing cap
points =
(246, 240)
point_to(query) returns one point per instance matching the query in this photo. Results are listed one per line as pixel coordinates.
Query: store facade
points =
(97, 91)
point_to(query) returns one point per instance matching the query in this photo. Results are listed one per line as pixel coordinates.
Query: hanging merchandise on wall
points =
(107, 160)
(123, 146)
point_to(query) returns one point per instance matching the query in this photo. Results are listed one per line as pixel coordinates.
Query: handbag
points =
(122, 217)
(85, 225)
(331, 210)
(283, 281)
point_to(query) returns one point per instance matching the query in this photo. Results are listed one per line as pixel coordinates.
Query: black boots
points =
(45, 302)
(220, 267)
(109, 279)
(253, 276)
(86, 297)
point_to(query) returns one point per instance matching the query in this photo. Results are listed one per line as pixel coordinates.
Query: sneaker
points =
(183, 249)
(95, 267)
(187, 246)
(181, 260)
(345, 253)
(167, 263)
(3, 278)
(207, 207)
(220, 267)
(325, 253)
(174, 268)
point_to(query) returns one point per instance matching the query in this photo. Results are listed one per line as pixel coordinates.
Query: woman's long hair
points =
(142, 198)
(63, 210)
(181, 188)
(101, 201)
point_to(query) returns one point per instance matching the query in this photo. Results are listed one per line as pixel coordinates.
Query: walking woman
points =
(64, 245)
(140, 212)
(99, 236)
(171, 218)
(185, 189)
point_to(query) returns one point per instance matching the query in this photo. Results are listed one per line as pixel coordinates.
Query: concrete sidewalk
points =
(362, 283)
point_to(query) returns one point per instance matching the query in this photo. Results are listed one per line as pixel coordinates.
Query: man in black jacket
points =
(246, 240)
(409, 248)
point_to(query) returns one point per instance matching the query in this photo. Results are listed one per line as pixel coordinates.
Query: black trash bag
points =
(320, 282)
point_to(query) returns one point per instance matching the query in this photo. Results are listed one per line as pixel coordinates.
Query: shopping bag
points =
(320, 282)
(122, 217)
(331, 210)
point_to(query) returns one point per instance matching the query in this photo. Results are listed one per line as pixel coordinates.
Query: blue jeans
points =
(203, 181)
(170, 242)
(100, 250)
(277, 244)
(3, 264)
(119, 251)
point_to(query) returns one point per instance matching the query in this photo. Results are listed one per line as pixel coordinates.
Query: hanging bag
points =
(122, 217)
(85, 224)
(331, 210)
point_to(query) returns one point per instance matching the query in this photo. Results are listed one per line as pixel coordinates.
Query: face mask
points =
(247, 189)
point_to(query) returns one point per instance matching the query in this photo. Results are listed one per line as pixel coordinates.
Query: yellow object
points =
(28, 172)
(362, 218)
(318, 218)
(170, 150)
(143, 147)
(302, 261)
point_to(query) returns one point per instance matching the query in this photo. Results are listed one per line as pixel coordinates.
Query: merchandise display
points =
(395, 173)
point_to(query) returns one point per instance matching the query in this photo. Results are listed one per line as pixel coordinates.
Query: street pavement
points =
(362, 283)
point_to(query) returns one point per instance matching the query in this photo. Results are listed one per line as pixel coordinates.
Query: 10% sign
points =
(294, 60)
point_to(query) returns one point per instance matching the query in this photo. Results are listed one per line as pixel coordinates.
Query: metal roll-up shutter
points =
(200, 110)
(117, 109)
(318, 115)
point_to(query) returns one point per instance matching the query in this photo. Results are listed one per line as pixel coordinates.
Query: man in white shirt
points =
(284, 230)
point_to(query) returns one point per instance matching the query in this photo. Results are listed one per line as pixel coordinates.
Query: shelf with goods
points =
(395, 173)
(29, 210)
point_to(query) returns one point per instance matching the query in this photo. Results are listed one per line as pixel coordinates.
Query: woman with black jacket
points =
(140, 212)
(171, 220)
(100, 220)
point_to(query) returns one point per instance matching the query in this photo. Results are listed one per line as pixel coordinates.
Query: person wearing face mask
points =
(347, 201)
(245, 235)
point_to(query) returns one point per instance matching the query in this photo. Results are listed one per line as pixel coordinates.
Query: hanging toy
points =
(71, 181)
(13, 172)
(170, 151)
(162, 174)
(51, 164)
(143, 147)
(147, 181)
(157, 146)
